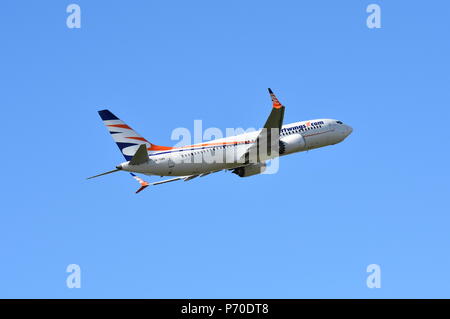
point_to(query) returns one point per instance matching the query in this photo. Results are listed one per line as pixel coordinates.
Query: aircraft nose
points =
(349, 130)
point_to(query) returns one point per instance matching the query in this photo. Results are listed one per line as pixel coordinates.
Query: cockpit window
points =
(339, 122)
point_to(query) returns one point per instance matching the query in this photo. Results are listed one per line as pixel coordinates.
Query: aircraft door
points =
(171, 165)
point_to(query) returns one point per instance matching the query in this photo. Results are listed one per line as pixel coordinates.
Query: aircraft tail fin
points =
(127, 139)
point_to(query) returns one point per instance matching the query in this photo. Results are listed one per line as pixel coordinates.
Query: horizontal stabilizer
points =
(143, 183)
(141, 156)
(113, 171)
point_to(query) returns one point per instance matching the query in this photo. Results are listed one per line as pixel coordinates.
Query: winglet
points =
(276, 116)
(265, 137)
(275, 102)
(143, 183)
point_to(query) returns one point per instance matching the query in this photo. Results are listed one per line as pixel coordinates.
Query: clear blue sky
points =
(380, 197)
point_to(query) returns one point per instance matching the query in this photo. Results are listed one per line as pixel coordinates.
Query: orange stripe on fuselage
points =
(159, 148)
(153, 147)
(213, 144)
(166, 148)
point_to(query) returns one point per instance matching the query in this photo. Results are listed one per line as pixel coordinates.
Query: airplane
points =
(244, 155)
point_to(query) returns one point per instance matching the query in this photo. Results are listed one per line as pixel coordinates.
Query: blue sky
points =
(310, 231)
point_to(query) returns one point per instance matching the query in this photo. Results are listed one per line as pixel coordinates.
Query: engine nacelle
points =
(250, 170)
(292, 143)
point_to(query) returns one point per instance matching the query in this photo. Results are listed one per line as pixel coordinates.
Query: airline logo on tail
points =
(127, 139)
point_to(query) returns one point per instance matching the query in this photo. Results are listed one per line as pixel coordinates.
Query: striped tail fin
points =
(127, 139)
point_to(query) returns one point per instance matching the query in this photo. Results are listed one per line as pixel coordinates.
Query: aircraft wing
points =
(186, 178)
(268, 139)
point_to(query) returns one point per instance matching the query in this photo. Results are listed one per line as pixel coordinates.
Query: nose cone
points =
(346, 130)
(349, 130)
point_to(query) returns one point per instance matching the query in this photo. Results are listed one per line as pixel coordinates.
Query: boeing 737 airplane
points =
(245, 154)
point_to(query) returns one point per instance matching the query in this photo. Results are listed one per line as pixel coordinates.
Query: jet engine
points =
(250, 170)
(291, 143)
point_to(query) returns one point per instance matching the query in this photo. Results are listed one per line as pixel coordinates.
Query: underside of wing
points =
(186, 178)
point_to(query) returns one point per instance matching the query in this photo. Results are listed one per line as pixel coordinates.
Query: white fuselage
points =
(203, 158)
